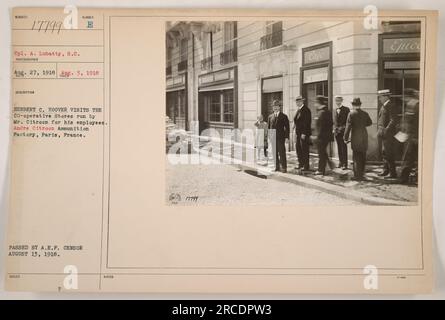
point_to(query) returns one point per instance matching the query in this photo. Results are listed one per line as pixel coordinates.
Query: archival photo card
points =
(224, 151)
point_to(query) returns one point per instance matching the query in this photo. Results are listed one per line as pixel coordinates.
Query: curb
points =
(335, 190)
(327, 187)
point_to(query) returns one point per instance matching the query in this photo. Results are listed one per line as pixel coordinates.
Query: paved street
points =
(217, 184)
(374, 185)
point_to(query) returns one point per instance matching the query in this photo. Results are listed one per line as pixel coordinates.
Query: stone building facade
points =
(225, 74)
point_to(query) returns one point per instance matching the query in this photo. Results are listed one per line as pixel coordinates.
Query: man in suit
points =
(356, 125)
(303, 131)
(278, 124)
(410, 127)
(340, 117)
(324, 133)
(387, 127)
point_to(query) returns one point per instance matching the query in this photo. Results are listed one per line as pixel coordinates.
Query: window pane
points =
(395, 82)
(208, 45)
(215, 108)
(277, 27)
(184, 49)
(277, 34)
(230, 35)
(228, 106)
(181, 104)
(269, 27)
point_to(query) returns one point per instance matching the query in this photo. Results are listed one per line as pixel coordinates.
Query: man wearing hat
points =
(278, 124)
(340, 117)
(386, 129)
(356, 125)
(303, 131)
(324, 133)
(410, 127)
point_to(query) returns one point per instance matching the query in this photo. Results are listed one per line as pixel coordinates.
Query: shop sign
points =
(176, 81)
(224, 75)
(315, 75)
(316, 55)
(401, 45)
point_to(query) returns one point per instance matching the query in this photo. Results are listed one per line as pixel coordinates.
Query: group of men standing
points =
(396, 132)
(344, 127)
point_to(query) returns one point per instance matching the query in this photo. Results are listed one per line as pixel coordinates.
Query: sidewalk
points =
(374, 187)
(374, 190)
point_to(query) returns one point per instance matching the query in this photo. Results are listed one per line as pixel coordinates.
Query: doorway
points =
(399, 76)
(399, 66)
(176, 108)
(316, 79)
(267, 100)
(310, 91)
(271, 89)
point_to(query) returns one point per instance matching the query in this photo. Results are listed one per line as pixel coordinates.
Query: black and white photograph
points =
(292, 112)
(273, 150)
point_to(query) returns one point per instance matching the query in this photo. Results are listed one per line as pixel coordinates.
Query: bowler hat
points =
(356, 102)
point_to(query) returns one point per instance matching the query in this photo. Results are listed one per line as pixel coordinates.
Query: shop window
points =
(219, 106)
(214, 107)
(176, 107)
(397, 81)
(228, 106)
(399, 65)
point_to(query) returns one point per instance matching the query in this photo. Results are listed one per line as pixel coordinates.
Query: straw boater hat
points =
(299, 98)
(384, 92)
(338, 97)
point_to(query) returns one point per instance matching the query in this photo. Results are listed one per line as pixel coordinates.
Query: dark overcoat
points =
(280, 124)
(387, 123)
(324, 124)
(303, 121)
(356, 125)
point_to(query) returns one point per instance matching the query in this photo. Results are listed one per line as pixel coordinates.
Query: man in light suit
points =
(278, 124)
